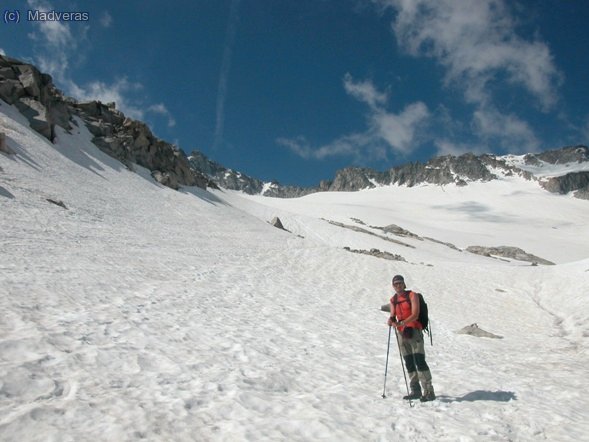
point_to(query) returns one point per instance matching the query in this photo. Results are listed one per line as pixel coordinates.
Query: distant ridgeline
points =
(439, 171)
(131, 142)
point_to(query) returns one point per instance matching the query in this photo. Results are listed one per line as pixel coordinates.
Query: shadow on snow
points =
(481, 395)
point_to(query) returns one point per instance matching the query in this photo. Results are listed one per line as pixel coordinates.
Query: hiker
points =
(404, 314)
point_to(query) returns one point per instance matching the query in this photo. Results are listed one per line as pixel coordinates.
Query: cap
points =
(398, 278)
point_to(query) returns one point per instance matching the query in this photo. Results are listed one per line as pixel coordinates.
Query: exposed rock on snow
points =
(131, 141)
(277, 223)
(447, 244)
(577, 181)
(399, 231)
(508, 252)
(57, 203)
(3, 146)
(378, 254)
(474, 330)
(368, 232)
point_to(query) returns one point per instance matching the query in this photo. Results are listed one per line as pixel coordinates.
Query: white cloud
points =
(57, 43)
(116, 92)
(56, 33)
(121, 92)
(386, 131)
(398, 130)
(447, 147)
(512, 133)
(365, 92)
(2, 52)
(475, 41)
(349, 145)
(161, 109)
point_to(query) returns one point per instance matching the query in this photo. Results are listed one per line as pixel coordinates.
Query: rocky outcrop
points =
(57, 203)
(569, 154)
(4, 146)
(397, 230)
(277, 223)
(223, 176)
(354, 178)
(508, 252)
(574, 181)
(377, 254)
(577, 182)
(475, 330)
(368, 232)
(440, 170)
(233, 180)
(131, 141)
(582, 194)
(127, 140)
(34, 95)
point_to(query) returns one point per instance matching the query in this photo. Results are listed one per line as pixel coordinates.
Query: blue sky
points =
(294, 90)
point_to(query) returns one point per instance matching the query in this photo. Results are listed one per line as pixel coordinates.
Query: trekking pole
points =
(386, 367)
(403, 366)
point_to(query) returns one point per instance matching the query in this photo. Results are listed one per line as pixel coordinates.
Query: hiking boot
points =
(415, 394)
(428, 396)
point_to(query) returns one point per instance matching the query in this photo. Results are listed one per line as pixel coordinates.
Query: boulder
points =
(11, 90)
(37, 115)
(3, 146)
(474, 330)
(30, 78)
(165, 179)
(277, 223)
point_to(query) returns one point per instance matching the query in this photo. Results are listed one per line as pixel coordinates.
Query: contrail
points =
(225, 66)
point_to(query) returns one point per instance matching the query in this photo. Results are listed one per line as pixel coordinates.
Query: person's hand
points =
(392, 321)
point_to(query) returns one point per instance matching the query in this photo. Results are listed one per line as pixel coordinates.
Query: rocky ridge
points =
(444, 170)
(234, 180)
(129, 141)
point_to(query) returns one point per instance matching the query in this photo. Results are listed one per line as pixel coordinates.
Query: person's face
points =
(399, 286)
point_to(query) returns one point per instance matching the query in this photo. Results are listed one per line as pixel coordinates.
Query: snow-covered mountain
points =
(559, 171)
(133, 311)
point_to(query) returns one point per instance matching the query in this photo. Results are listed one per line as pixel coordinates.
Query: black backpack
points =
(423, 317)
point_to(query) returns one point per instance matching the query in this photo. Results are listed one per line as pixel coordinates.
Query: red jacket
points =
(401, 309)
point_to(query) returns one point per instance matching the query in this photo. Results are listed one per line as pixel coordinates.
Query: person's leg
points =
(406, 351)
(423, 372)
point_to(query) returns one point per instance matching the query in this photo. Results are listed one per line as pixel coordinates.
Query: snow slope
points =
(142, 313)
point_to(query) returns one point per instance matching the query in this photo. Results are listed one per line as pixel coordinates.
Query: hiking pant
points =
(413, 352)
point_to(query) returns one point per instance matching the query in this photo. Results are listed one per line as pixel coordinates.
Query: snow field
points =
(141, 313)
